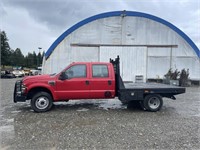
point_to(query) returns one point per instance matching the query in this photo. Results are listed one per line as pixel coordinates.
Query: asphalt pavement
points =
(99, 124)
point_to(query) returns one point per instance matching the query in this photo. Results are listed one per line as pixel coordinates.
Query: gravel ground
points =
(99, 124)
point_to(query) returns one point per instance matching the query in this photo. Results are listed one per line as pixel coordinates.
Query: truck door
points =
(77, 84)
(102, 83)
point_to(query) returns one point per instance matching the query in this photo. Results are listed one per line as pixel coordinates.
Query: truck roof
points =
(105, 63)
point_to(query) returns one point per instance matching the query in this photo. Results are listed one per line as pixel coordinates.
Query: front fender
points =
(44, 86)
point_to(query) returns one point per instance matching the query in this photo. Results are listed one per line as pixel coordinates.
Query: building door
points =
(132, 60)
(158, 62)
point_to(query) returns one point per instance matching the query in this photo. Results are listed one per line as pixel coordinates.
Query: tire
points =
(41, 102)
(153, 102)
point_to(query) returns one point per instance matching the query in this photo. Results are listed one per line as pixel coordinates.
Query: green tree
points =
(12, 57)
(15, 57)
(18, 57)
(39, 57)
(5, 49)
(35, 60)
(29, 60)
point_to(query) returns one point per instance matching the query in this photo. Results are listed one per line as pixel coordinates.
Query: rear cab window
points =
(100, 71)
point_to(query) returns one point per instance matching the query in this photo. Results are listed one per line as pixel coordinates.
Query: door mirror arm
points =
(63, 76)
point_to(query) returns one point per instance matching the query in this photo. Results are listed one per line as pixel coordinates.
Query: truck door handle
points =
(109, 82)
(87, 82)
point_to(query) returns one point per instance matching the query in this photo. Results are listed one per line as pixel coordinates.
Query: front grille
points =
(18, 85)
(18, 92)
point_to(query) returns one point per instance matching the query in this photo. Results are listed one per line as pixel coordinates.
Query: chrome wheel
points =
(154, 103)
(42, 102)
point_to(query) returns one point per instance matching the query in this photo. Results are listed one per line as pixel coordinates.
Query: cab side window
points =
(76, 71)
(99, 71)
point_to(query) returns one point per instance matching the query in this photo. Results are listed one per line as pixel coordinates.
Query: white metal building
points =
(146, 44)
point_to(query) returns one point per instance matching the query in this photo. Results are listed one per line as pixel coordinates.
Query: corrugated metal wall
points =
(128, 63)
(108, 37)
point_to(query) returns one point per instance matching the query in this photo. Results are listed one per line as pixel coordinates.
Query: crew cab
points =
(90, 80)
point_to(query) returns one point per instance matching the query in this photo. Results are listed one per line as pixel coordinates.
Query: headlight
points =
(23, 88)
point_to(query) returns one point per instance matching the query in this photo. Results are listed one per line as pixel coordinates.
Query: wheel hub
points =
(42, 103)
(154, 102)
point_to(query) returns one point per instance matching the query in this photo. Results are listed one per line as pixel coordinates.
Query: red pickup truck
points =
(90, 80)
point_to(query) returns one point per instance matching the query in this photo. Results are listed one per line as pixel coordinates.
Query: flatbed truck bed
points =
(149, 95)
(150, 85)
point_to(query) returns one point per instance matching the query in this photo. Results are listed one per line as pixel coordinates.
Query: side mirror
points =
(63, 76)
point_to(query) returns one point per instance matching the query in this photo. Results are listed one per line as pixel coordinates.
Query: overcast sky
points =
(30, 24)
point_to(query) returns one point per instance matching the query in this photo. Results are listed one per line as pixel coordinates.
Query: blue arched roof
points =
(119, 13)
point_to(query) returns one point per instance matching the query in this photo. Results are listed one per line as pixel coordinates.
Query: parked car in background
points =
(7, 74)
(19, 73)
(35, 72)
(27, 71)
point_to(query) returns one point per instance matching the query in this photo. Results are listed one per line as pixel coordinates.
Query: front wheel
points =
(153, 102)
(41, 102)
